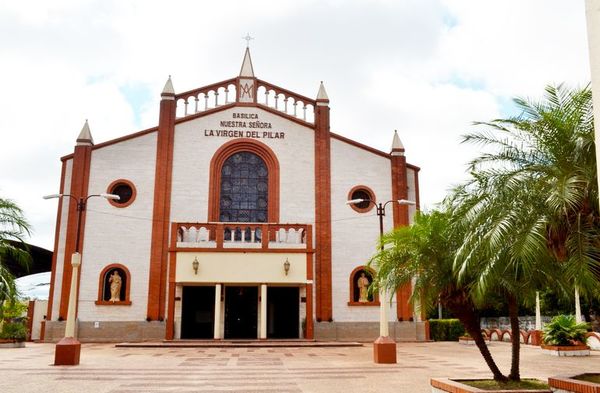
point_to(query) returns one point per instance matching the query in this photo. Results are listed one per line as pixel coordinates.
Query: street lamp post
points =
(68, 348)
(384, 347)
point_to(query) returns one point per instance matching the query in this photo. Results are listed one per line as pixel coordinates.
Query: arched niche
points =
(357, 276)
(108, 279)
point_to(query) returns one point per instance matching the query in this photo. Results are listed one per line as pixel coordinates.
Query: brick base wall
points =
(368, 331)
(109, 331)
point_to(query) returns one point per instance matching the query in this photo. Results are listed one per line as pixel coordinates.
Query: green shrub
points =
(14, 330)
(445, 329)
(563, 330)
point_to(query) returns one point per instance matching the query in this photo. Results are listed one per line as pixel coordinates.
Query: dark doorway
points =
(283, 307)
(198, 312)
(241, 312)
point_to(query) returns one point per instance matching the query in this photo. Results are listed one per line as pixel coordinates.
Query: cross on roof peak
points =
(247, 38)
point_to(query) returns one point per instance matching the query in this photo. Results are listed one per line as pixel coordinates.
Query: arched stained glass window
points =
(244, 189)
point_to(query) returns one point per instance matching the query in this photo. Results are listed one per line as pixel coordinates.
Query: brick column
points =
(80, 176)
(324, 310)
(162, 205)
(400, 191)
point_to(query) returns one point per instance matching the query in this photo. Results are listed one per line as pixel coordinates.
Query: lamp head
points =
(110, 196)
(355, 201)
(406, 202)
(52, 196)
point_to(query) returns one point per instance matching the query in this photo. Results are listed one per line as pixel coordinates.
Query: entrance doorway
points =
(283, 308)
(241, 312)
(198, 312)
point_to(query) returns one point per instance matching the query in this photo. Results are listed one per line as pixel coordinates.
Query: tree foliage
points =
(13, 226)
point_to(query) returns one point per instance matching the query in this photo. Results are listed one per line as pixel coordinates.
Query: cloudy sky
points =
(427, 68)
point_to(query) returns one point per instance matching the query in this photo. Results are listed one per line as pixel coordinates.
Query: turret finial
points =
(397, 146)
(85, 136)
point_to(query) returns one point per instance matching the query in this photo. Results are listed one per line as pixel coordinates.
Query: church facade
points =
(231, 223)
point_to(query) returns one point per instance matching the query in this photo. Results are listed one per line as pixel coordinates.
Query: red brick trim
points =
(161, 211)
(504, 333)
(56, 239)
(565, 348)
(80, 173)
(368, 304)
(309, 286)
(222, 154)
(360, 145)
(372, 197)
(30, 310)
(115, 183)
(352, 279)
(324, 308)
(115, 141)
(244, 250)
(455, 386)
(570, 384)
(170, 332)
(101, 281)
(399, 182)
(417, 192)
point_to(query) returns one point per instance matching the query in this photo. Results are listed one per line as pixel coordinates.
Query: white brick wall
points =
(193, 152)
(119, 235)
(354, 235)
(123, 236)
(62, 233)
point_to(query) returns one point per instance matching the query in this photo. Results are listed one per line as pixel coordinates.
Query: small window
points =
(125, 190)
(365, 193)
(360, 293)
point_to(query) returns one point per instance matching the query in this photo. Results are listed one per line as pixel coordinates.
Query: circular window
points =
(125, 190)
(364, 193)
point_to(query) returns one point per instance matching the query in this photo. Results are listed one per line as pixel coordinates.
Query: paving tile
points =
(105, 368)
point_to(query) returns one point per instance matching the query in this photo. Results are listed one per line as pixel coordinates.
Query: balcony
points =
(241, 236)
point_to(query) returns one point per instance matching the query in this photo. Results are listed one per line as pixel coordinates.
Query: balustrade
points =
(267, 94)
(241, 235)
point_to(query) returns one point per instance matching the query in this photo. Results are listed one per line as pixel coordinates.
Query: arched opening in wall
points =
(244, 184)
(360, 293)
(114, 285)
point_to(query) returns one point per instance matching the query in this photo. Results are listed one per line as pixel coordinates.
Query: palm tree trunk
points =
(513, 314)
(470, 321)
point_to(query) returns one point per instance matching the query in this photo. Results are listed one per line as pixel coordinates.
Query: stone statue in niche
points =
(115, 287)
(363, 286)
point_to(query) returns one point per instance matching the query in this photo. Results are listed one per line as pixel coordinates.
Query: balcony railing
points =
(243, 236)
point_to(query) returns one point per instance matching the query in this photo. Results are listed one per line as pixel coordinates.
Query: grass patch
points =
(490, 384)
(595, 378)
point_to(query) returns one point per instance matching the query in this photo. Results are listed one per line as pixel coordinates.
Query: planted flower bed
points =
(488, 385)
(565, 337)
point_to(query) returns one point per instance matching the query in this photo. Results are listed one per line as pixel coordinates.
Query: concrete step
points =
(237, 344)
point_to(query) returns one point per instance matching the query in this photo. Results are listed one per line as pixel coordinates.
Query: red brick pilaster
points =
(55, 253)
(157, 282)
(324, 310)
(80, 175)
(400, 191)
(309, 334)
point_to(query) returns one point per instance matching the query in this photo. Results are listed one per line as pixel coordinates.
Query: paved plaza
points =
(105, 368)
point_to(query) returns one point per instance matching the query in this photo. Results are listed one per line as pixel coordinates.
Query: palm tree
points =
(13, 226)
(423, 253)
(532, 202)
(501, 249)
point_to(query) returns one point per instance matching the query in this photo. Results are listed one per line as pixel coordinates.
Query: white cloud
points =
(425, 67)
